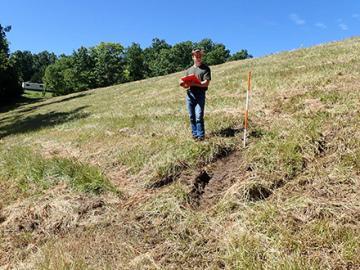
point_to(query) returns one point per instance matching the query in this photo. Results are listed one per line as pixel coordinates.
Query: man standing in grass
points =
(196, 92)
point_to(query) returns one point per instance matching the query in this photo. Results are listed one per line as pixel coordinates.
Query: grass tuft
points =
(33, 174)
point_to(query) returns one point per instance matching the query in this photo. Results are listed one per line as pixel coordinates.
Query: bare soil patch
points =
(209, 184)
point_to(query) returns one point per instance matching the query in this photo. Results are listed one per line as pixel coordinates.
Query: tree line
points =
(102, 65)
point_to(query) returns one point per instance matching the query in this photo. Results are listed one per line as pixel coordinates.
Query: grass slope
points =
(75, 172)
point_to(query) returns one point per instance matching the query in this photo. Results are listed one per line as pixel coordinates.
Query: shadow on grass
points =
(39, 121)
(53, 102)
(254, 132)
(23, 101)
(227, 132)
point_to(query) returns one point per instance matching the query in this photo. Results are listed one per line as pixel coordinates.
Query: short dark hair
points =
(195, 50)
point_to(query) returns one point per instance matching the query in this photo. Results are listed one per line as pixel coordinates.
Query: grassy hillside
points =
(111, 179)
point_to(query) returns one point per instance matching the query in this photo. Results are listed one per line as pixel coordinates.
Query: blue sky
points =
(261, 27)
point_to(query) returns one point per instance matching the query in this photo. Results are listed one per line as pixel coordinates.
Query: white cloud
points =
(320, 25)
(343, 26)
(296, 19)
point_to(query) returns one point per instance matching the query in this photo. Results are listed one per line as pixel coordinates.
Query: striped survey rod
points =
(247, 108)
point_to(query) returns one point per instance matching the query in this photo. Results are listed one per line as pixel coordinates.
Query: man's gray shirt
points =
(203, 73)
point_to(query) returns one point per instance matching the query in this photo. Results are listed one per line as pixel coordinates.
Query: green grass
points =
(303, 151)
(36, 94)
(31, 174)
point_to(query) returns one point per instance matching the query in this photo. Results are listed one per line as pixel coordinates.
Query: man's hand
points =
(183, 84)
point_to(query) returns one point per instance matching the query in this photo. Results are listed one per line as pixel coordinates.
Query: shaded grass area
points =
(24, 100)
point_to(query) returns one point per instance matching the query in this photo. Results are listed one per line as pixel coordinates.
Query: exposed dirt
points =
(209, 184)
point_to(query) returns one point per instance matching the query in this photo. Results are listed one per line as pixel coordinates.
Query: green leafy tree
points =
(165, 63)
(206, 44)
(215, 53)
(4, 46)
(181, 53)
(109, 63)
(240, 55)
(153, 61)
(23, 61)
(218, 55)
(10, 87)
(40, 62)
(135, 66)
(60, 76)
(83, 66)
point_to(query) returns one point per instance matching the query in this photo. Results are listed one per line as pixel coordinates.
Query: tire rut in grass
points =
(198, 189)
(210, 183)
(182, 167)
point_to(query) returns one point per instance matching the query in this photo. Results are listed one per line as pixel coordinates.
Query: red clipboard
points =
(191, 78)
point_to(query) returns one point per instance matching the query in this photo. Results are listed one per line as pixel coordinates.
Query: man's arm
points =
(202, 84)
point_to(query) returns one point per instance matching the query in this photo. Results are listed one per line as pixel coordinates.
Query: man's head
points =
(197, 55)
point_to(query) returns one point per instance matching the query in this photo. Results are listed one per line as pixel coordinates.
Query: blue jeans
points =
(195, 103)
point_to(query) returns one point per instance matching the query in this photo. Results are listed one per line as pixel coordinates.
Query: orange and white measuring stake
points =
(247, 108)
